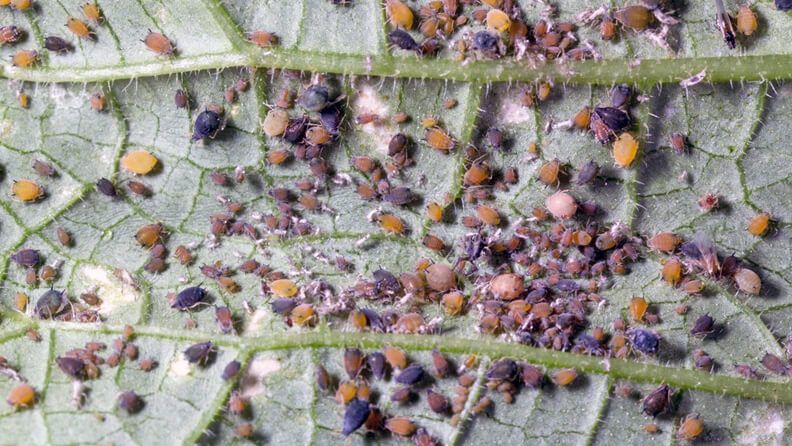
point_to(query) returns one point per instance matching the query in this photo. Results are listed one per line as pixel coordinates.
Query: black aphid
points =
(74, 367)
(495, 138)
(26, 257)
(375, 322)
(783, 5)
(376, 363)
(57, 44)
(295, 131)
(399, 196)
(620, 95)
(331, 117)
(50, 304)
(314, 98)
(703, 326)
(130, 402)
(356, 414)
(587, 173)
(606, 122)
(283, 306)
(413, 374)
(207, 125)
(189, 298)
(503, 370)
(644, 341)
(657, 402)
(199, 353)
(485, 41)
(385, 282)
(106, 187)
(397, 144)
(402, 40)
(231, 370)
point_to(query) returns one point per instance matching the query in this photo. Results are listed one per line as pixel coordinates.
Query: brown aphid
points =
(746, 20)
(452, 303)
(92, 12)
(400, 117)
(549, 172)
(395, 357)
(148, 235)
(664, 242)
(10, 34)
(636, 17)
(31, 278)
(708, 202)
(131, 352)
(392, 224)
(775, 364)
(147, 364)
(607, 29)
(564, 377)
(80, 28)
(657, 401)
(159, 44)
(507, 286)
(439, 139)
(651, 428)
(48, 273)
(353, 362)
(481, 406)
(262, 38)
(476, 174)
(21, 396)
(33, 335)
(747, 281)
(322, 378)
(433, 242)
(43, 168)
(183, 254)
(690, 428)
(138, 188)
(230, 95)
(440, 363)
(130, 402)
(245, 430)
(24, 58)
(488, 215)
(434, 211)
(181, 99)
(236, 404)
(759, 224)
(672, 271)
(401, 426)
(64, 237)
(678, 143)
(224, 319)
(228, 284)
(24, 99)
(98, 101)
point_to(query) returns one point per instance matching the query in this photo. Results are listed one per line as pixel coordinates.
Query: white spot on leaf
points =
(113, 293)
(512, 112)
(179, 367)
(368, 101)
(252, 383)
(766, 428)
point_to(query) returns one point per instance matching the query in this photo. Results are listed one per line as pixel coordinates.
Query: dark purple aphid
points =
(74, 367)
(207, 125)
(587, 173)
(189, 298)
(746, 371)
(783, 5)
(401, 395)
(399, 196)
(181, 99)
(376, 363)
(657, 402)
(620, 95)
(385, 282)
(606, 122)
(26, 257)
(356, 413)
(43, 168)
(503, 370)
(644, 341)
(106, 187)
(331, 117)
(295, 131)
(532, 376)
(353, 362)
(485, 41)
(231, 370)
(437, 402)
(283, 306)
(402, 40)
(588, 344)
(130, 402)
(703, 326)
(775, 364)
(567, 286)
(495, 138)
(413, 374)
(199, 353)
(375, 322)
(57, 45)
(50, 304)
(314, 98)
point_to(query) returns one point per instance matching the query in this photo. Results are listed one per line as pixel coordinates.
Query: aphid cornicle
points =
(159, 44)
(189, 298)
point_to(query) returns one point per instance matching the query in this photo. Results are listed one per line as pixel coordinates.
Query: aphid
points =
(138, 188)
(679, 143)
(607, 29)
(507, 286)
(587, 173)
(453, 303)
(703, 326)
(131, 352)
(625, 149)
(148, 235)
(476, 174)
(690, 428)
(438, 139)
(130, 402)
(400, 426)
(399, 14)
(356, 414)
(775, 364)
(483, 405)
(564, 377)
(283, 288)
(638, 307)
(498, 20)
(532, 376)
(199, 353)
(303, 314)
(606, 122)
(148, 364)
(657, 401)
(80, 28)
(759, 224)
(140, 162)
(703, 361)
(561, 205)
(263, 39)
(440, 277)
(26, 257)
(664, 242)
(636, 17)
(92, 12)
(22, 395)
(708, 202)
(24, 58)
(21, 5)
(395, 357)
(353, 362)
(392, 224)
(57, 44)
(73, 367)
(181, 99)
(27, 190)
(159, 44)
(746, 371)
(399, 196)
(644, 341)
(411, 375)
(189, 298)
(748, 281)
(231, 370)
(503, 370)
(48, 273)
(43, 168)
(236, 404)
(21, 302)
(549, 172)
(783, 5)
(50, 304)
(10, 34)
(723, 22)
(403, 40)
(207, 125)
(672, 271)
(224, 319)
(98, 101)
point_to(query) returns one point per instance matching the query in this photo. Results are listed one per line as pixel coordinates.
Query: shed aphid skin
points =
(159, 44)
(723, 22)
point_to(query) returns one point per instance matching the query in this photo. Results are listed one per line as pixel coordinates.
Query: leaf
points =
(736, 132)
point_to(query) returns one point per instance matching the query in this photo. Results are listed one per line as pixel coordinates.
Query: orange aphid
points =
(434, 211)
(399, 14)
(478, 173)
(139, 162)
(498, 20)
(263, 39)
(98, 101)
(548, 173)
(303, 314)
(23, 395)
(664, 241)
(488, 215)
(690, 428)
(21, 5)
(283, 288)
(159, 44)
(79, 28)
(672, 270)
(746, 20)
(638, 307)
(582, 118)
(452, 303)
(564, 377)
(395, 357)
(438, 139)
(27, 190)
(92, 12)
(625, 149)
(759, 224)
(24, 58)
(391, 223)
